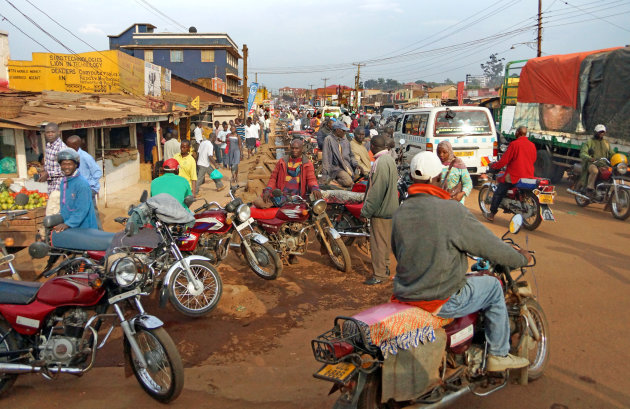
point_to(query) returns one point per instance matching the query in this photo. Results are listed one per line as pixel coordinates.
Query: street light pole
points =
(325, 92)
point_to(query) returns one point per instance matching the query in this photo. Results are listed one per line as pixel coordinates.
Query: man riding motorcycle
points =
(431, 270)
(593, 149)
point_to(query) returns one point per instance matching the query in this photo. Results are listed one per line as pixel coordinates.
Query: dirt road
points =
(254, 350)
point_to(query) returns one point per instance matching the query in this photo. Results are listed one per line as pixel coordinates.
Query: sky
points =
(299, 43)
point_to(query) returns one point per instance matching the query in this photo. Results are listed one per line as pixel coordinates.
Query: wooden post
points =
(158, 139)
(245, 89)
(20, 154)
(103, 165)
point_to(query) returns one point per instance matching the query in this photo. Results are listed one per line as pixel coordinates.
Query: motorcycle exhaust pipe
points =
(447, 400)
(21, 368)
(580, 195)
(353, 234)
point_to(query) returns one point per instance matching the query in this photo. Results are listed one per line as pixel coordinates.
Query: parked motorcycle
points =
(429, 367)
(612, 187)
(54, 328)
(213, 232)
(530, 197)
(289, 224)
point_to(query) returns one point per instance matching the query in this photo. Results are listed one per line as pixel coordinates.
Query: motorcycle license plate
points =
(122, 296)
(247, 223)
(546, 212)
(546, 198)
(464, 153)
(340, 372)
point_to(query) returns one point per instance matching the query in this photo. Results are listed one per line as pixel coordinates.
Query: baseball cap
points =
(170, 164)
(600, 128)
(425, 166)
(340, 125)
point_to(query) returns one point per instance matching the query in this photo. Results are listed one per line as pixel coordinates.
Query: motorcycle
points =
(288, 226)
(191, 283)
(375, 362)
(213, 232)
(54, 328)
(612, 187)
(530, 197)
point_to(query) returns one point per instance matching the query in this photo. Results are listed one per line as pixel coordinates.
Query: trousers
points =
(380, 245)
(202, 171)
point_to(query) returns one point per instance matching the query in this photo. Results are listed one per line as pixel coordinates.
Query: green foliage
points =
(493, 69)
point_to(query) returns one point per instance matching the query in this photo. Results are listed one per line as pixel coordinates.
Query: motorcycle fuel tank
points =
(213, 221)
(70, 290)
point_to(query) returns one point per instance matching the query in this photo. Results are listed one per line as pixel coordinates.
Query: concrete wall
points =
(120, 177)
(192, 67)
(4, 55)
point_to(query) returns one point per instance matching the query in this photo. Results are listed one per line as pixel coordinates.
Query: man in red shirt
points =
(519, 159)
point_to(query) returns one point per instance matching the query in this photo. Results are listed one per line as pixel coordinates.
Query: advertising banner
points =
(253, 89)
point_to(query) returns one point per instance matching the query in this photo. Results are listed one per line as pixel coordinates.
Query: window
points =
(231, 60)
(207, 55)
(148, 55)
(416, 124)
(177, 56)
(462, 123)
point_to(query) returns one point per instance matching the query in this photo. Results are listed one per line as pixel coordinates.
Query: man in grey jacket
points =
(338, 162)
(381, 201)
(430, 238)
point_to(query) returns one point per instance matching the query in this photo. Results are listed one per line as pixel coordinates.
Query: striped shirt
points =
(51, 165)
(240, 131)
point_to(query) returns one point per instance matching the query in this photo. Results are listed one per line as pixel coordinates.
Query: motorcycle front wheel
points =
(8, 344)
(195, 302)
(338, 252)
(266, 262)
(485, 199)
(620, 206)
(163, 378)
(537, 352)
(531, 202)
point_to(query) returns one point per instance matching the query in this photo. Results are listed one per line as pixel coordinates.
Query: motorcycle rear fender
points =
(167, 277)
(257, 238)
(351, 402)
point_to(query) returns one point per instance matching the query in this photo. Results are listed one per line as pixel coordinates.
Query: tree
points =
(493, 69)
(448, 81)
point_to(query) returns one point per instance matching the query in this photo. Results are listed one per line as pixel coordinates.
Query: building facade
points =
(197, 57)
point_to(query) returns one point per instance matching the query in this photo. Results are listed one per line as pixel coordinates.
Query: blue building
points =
(197, 57)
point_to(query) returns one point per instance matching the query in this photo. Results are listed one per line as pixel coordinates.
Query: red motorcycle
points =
(345, 213)
(215, 228)
(53, 328)
(288, 226)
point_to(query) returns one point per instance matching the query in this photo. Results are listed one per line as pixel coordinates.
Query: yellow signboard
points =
(195, 103)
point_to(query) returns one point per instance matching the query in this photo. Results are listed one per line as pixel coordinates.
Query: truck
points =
(561, 98)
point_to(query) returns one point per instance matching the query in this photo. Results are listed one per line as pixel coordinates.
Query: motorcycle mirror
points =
(131, 228)
(38, 249)
(516, 223)
(402, 141)
(188, 200)
(144, 196)
(21, 199)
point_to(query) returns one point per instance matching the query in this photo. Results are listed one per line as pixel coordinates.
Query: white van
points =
(470, 130)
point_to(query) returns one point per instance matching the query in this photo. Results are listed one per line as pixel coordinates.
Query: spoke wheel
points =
(485, 199)
(163, 378)
(620, 207)
(370, 397)
(537, 352)
(339, 255)
(266, 263)
(534, 219)
(342, 221)
(8, 344)
(196, 302)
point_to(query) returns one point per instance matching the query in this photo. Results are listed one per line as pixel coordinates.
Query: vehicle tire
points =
(557, 174)
(621, 208)
(181, 292)
(8, 343)
(582, 202)
(343, 221)
(163, 379)
(339, 256)
(532, 222)
(543, 167)
(370, 397)
(538, 352)
(485, 199)
(267, 263)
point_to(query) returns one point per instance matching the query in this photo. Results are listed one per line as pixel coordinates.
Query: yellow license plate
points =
(546, 198)
(340, 372)
(464, 153)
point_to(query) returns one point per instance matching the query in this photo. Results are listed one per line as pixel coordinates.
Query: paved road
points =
(254, 352)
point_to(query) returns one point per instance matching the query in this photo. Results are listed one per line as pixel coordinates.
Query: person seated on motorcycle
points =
(77, 207)
(293, 175)
(323, 132)
(338, 162)
(360, 152)
(170, 182)
(519, 159)
(431, 268)
(591, 150)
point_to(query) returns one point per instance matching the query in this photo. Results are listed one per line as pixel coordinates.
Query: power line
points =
(20, 30)
(162, 14)
(597, 17)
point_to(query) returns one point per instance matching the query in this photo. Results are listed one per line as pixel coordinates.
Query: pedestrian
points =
(222, 138)
(354, 123)
(170, 182)
(360, 152)
(206, 165)
(251, 135)
(52, 173)
(89, 170)
(455, 178)
(198, 133)
(267, 128)
(218, 151)
(240, 129)
(316, 122)
(297, 124)
(324, 131)
(187, 164)
(234, 153)
(149, 139)
(171, 146)
(76, 206)
(381, 201)
(338, 162)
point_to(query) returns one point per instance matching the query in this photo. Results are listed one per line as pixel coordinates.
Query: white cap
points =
(425, 166)
(600, 128)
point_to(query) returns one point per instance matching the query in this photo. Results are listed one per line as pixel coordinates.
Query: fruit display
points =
(35, 199)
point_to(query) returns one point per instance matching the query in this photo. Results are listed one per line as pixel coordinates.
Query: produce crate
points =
(23, 228)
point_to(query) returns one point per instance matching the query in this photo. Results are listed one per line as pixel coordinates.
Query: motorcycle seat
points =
(82, 239)
(527, 183)
(17, 292)
(263, 214)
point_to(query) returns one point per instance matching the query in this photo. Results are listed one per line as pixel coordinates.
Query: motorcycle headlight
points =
(622, 168)
(126, 271)
(243, 213)
(319, 206)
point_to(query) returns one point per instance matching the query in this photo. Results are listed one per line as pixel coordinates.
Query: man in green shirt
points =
(592, 150)
(171, 183)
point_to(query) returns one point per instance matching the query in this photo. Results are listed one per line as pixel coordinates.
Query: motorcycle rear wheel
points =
(267, 263)
(190, 304)
(370, 397)
(342, 221)
(339, 255)
(532, 222)
(485, 199)
(163, 379)
(620, 208)
(8, 344)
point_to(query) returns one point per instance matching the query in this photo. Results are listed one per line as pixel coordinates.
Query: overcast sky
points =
(402, 39)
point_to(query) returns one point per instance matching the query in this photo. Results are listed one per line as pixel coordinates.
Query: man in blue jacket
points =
(77, 207)
(89, 170)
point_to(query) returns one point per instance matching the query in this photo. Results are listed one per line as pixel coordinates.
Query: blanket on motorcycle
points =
(343, 196)
(394, 326)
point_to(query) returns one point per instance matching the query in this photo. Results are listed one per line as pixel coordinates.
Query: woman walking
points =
(233, 157)
(455, 177)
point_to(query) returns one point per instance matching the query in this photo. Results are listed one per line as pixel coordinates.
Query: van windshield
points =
(462, 123)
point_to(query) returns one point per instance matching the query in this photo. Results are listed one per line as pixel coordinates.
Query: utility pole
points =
(539, 51)
(245, 90)
(256, 77)
(325, 93)
(357, 80)
(310, 95)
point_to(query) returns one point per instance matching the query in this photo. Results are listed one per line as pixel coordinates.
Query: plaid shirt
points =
(51, 166)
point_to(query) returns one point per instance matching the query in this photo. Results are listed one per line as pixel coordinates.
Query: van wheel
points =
(543, 167)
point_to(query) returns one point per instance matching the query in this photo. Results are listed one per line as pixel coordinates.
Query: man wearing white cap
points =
(431, 237)
(593, 149)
